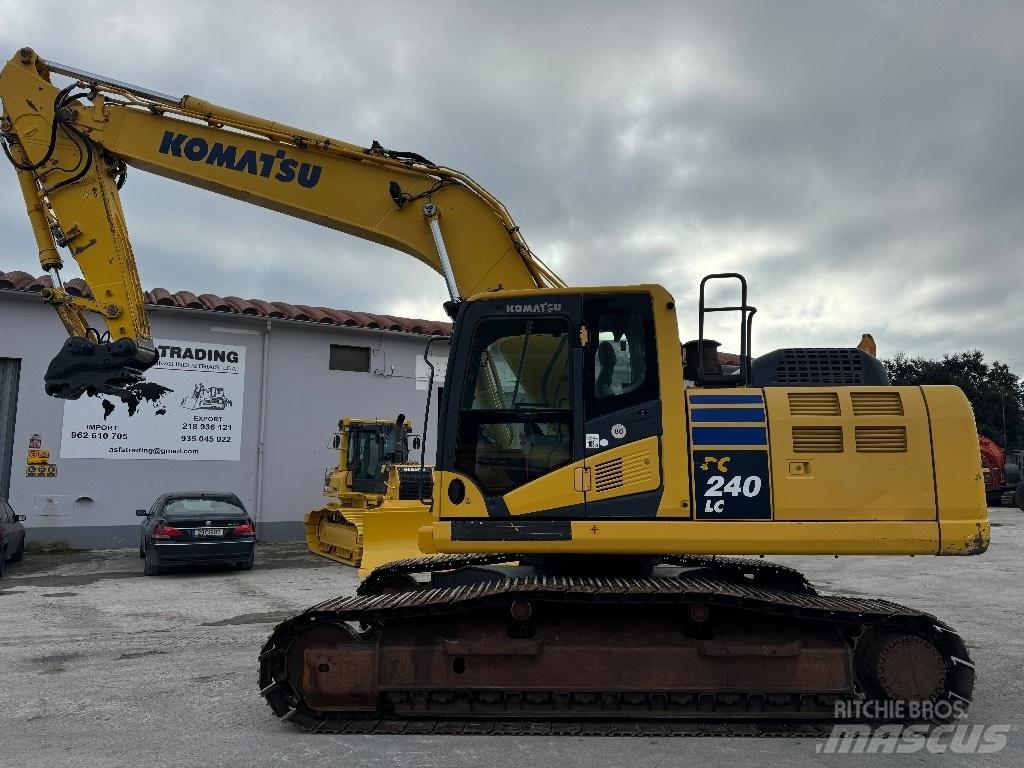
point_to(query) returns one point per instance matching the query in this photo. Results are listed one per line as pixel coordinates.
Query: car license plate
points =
(201, 532)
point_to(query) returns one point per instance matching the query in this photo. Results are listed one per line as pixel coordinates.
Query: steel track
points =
(749, 585)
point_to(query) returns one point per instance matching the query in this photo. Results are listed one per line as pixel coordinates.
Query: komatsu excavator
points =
(379, 499)
(586, 504)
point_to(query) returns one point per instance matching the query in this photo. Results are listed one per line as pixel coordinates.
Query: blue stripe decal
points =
(730, 436)
(727, 414)
(725, 399)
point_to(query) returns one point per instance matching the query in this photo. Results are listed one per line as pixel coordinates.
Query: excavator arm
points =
(71, 147)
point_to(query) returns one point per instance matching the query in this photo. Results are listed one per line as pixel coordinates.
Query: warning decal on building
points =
(199, 418)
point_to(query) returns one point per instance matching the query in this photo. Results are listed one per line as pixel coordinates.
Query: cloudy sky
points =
(860, 162)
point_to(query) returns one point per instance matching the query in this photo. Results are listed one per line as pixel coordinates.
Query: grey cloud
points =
(858, 161)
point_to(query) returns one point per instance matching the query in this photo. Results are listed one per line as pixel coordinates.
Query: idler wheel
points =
(901, 667)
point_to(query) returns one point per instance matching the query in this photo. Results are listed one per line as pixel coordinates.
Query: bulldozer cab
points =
(373, 448)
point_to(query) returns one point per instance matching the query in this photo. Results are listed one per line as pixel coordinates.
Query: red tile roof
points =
(728, 358)
(277, 310)
(160, 297)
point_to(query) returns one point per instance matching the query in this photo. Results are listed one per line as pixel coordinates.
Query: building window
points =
(346, 358)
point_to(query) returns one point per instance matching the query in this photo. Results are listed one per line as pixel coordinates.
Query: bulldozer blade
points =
(390, 534)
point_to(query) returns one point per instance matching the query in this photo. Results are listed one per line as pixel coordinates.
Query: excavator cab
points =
(535, 388)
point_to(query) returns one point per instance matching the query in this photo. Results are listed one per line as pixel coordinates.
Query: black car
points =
(12, 536)
(197, 528)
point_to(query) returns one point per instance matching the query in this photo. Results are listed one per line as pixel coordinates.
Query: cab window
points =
(621, 356)
(520, 364)
(621, 362)
(365, 460)
(516, 419)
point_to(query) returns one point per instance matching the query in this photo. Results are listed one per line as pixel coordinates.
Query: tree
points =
(995, 392)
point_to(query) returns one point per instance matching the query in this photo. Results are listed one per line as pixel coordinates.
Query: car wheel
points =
(150, 567)
(19, 553)
(246, 565)
(3, 560)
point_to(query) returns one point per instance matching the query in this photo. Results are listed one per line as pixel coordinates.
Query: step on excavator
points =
(379, 498)
(590, 510)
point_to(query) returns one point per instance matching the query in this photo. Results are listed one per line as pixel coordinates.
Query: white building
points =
(258, 388)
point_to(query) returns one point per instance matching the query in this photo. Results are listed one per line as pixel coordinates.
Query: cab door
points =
(622, 407)
(514, 395)
(365, 458)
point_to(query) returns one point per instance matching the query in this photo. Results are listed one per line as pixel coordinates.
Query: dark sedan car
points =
(12, 536)
(196, 528)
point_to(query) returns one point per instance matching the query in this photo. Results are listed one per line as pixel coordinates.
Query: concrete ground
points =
(100, 666)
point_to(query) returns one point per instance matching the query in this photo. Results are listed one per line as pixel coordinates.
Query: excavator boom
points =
(71, 147)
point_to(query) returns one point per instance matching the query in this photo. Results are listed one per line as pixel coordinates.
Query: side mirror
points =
(412, 442)
(141, 512)
(20, 518)
(336, 440)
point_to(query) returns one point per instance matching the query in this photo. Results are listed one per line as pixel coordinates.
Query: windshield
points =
(366, 456)
(520, 364)
(516, 420)
(202, 508)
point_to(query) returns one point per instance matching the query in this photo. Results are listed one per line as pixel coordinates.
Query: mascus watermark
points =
(895, 738)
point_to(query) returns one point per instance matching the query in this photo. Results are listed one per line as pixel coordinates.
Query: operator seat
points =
(606, 361)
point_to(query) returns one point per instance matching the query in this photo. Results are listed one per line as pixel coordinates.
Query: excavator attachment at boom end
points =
(86, 367)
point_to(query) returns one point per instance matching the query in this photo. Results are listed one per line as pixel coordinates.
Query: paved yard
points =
(100, 666)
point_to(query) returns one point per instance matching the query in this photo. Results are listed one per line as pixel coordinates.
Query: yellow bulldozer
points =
(379, 499)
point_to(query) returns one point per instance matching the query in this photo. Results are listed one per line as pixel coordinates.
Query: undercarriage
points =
(480, 644)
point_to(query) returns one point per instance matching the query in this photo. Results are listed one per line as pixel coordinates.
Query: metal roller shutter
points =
(10, 373)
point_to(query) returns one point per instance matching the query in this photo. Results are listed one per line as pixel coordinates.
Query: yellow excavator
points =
(587, 501)
(379, 498)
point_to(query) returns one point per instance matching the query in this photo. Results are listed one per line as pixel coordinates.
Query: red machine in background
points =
(1002, 470)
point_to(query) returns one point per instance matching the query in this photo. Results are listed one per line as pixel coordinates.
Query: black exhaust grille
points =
(817, 366)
